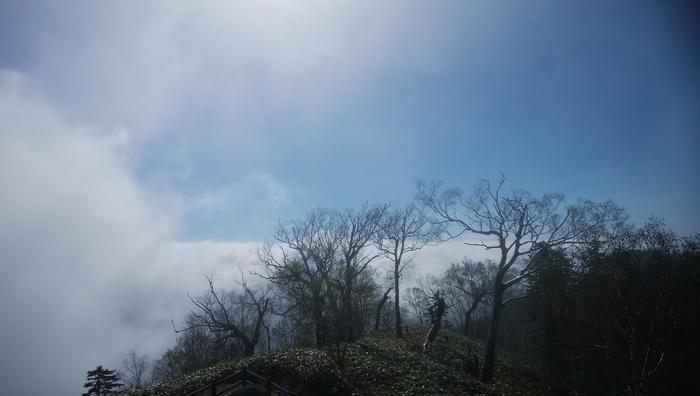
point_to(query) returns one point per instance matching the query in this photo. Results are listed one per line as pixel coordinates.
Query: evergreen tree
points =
(101, 381)
(549, 308)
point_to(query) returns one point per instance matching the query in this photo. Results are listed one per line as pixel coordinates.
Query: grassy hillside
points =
(376, 365)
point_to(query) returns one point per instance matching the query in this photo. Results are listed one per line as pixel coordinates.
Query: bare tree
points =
(134, 367)
(357, 230)
(417, 300)
(230, 316)
(192, 351)
(319, 266)
(303, 265)
(404, 230)
(467, 285)
(380, 305)
(516, 225)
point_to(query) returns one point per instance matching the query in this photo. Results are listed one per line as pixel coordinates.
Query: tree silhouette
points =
(435, 312)
(517, 225)
(101, 381)
(404, 230)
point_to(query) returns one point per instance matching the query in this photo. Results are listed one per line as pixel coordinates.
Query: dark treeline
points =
(623, 318)
(597, 305)
(617, 320)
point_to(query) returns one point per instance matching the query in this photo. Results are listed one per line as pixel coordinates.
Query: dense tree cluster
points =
(599, 306)
(623, 317)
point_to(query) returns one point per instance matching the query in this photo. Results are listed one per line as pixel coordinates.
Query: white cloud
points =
(237, 63)
(258, 191)
(191, 261)
(89, 270)
(77, 232)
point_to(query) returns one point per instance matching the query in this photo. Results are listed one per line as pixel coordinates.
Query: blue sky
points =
(145, 143)
(337, 104)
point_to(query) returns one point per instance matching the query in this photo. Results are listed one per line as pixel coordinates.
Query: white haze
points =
(91, 264)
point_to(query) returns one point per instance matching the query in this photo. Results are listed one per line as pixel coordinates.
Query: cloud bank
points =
(76, 230)
(88, 268)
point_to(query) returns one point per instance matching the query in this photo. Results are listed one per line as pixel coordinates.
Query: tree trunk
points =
(249, 349)
(490, 357)
(468, 315)
(381, 303)
(436, 312)
(397, 308)
(347, 303)
(636, 389)
(467, 320)
(320, 330)
(269, 346)
(320, 334)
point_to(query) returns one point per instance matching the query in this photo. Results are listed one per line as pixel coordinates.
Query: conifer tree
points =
(101, 381)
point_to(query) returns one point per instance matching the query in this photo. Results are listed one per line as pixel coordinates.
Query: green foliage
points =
(383, 365)
(375, 365)
(456, 352)
(302, 369)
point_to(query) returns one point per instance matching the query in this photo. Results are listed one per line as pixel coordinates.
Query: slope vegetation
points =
(378, 364)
